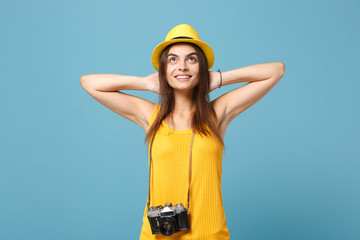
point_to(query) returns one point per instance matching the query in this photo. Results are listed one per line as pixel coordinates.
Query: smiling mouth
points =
(183, 77)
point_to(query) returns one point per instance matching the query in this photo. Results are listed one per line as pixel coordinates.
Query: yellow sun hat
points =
(182, 33)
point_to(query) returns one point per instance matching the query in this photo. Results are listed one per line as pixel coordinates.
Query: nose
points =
(183, 66)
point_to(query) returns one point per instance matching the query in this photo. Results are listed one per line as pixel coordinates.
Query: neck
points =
(184, 104)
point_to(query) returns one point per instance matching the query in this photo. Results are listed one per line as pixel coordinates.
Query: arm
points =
(105, 89)
(114, 82)
(261, 77)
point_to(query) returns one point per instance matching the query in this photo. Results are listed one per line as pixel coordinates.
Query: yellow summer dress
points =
(170, 181)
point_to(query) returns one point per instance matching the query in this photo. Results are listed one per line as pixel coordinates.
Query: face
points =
(182, 60)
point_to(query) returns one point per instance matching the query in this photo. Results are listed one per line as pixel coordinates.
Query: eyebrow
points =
(172, 54)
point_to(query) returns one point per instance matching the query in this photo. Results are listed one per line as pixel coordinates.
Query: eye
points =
(172, 59)
(192, 59)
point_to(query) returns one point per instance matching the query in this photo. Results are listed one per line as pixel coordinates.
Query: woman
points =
(184, 122)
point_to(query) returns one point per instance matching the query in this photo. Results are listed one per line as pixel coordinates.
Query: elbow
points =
(280, 69)
(84, 82)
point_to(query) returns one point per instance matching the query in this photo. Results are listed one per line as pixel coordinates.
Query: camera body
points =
(169, 219)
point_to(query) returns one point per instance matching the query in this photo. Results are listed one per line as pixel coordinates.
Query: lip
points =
(183, 75)
(183, 79)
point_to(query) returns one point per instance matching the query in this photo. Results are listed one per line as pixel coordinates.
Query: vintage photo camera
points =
(169, 219)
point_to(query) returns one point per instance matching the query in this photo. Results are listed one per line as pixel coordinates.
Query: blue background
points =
(72, 169)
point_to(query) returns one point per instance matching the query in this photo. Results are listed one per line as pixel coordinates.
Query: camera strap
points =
(190, 160)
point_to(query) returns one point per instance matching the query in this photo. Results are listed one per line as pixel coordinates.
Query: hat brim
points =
(155, 58)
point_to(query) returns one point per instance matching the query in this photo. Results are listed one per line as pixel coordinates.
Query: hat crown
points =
(182, 30)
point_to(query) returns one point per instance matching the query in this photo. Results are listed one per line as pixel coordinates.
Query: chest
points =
(178, 123)
(173, 150)
(184, 123)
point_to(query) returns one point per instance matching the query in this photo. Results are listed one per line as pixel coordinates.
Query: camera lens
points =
(168, 227)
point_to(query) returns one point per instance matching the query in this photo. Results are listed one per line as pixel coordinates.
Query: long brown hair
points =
(203, 118)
